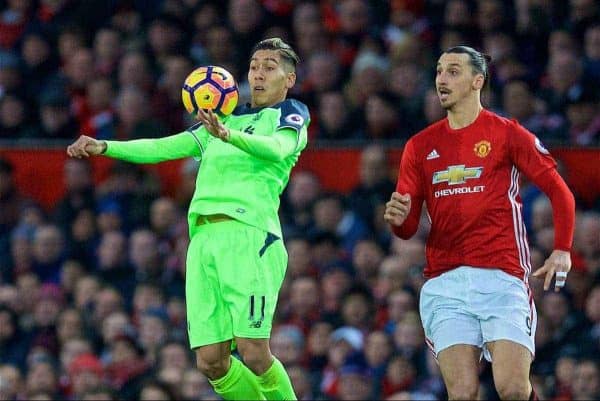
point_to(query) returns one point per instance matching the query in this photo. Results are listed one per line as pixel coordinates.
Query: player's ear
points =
(290, 80)
(478, 82)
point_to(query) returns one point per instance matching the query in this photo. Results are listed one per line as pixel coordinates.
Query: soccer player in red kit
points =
(466, 168)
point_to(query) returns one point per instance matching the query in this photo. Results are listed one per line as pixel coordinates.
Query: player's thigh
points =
(459, 365)
(207, 313)
(445, 312)
(505, 305)
(510, 367)
(251, 273)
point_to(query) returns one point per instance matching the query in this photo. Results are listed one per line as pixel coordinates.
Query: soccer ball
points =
(210, 88)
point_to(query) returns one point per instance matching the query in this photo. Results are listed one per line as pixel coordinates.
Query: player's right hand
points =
(86, 146)
(397, 209)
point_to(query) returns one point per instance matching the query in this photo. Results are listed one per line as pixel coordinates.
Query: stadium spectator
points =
(335, 281)
(69, 325)
(11, 203)
(331, 215)
(564, 80)
(100, 121)
(367, 256)
(303, 307)
(166, 99)
(79, 193)
(335, 122)
(55, 118)
(155, 390)
(303, 190)
(134, 70)
(11, 387)
(107, 51)
(10, 72)
(519, 102)
(13, 344)
(374, 184)
(134, 119)
(287, 344)
(583, 117)
(196, 386)
(41, 378)
(586, 380)
(85, 373)
(14, 118)
(355, 381)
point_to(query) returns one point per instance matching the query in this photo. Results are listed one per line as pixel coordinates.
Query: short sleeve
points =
(294, 114)
(528, 153)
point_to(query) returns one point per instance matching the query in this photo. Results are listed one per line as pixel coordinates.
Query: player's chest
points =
(454, 162)
(261, 123)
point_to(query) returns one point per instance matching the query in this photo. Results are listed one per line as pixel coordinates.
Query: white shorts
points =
(475, 306)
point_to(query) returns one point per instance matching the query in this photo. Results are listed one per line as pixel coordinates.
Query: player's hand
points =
(397, 209)
(86, 146)
(213, 125)
(559, 263)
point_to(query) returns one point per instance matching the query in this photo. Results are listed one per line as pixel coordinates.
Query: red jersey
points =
(469, 180)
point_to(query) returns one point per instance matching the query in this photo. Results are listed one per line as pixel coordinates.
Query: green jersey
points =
(242, 178)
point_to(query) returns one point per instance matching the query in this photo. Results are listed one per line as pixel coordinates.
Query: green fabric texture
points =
(275, 384)
(156, 150)
(239, 383)
(275, 148)
(242, 178)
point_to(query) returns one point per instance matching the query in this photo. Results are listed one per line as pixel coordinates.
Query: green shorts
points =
(233, 275)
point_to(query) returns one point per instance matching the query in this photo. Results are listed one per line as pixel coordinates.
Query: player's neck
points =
(463, 115)
(270, 103)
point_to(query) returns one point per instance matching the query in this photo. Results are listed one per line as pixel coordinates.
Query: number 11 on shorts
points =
(256, 323)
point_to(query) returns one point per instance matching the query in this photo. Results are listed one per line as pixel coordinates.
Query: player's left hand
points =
(213, 125)
(559, 263)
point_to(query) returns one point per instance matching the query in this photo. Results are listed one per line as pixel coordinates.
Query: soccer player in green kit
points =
(236, 258)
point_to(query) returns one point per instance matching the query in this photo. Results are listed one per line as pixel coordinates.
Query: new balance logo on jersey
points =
(433, 155)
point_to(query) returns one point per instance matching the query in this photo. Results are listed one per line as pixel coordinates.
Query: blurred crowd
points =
(92, 290)
(113, 69)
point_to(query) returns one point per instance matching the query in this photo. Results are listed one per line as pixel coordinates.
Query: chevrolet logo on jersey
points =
(456, 174)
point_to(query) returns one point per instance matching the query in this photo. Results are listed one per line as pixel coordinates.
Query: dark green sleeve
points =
(172, 147)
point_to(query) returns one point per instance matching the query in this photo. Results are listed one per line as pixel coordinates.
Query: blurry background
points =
(92, 252)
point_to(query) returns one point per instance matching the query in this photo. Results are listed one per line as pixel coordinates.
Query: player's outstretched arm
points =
(178, 146)
(86, 146)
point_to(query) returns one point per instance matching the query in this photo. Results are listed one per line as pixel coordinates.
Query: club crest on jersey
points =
(540, 146)
(482, 148)
(457, 174)
(294, 119)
